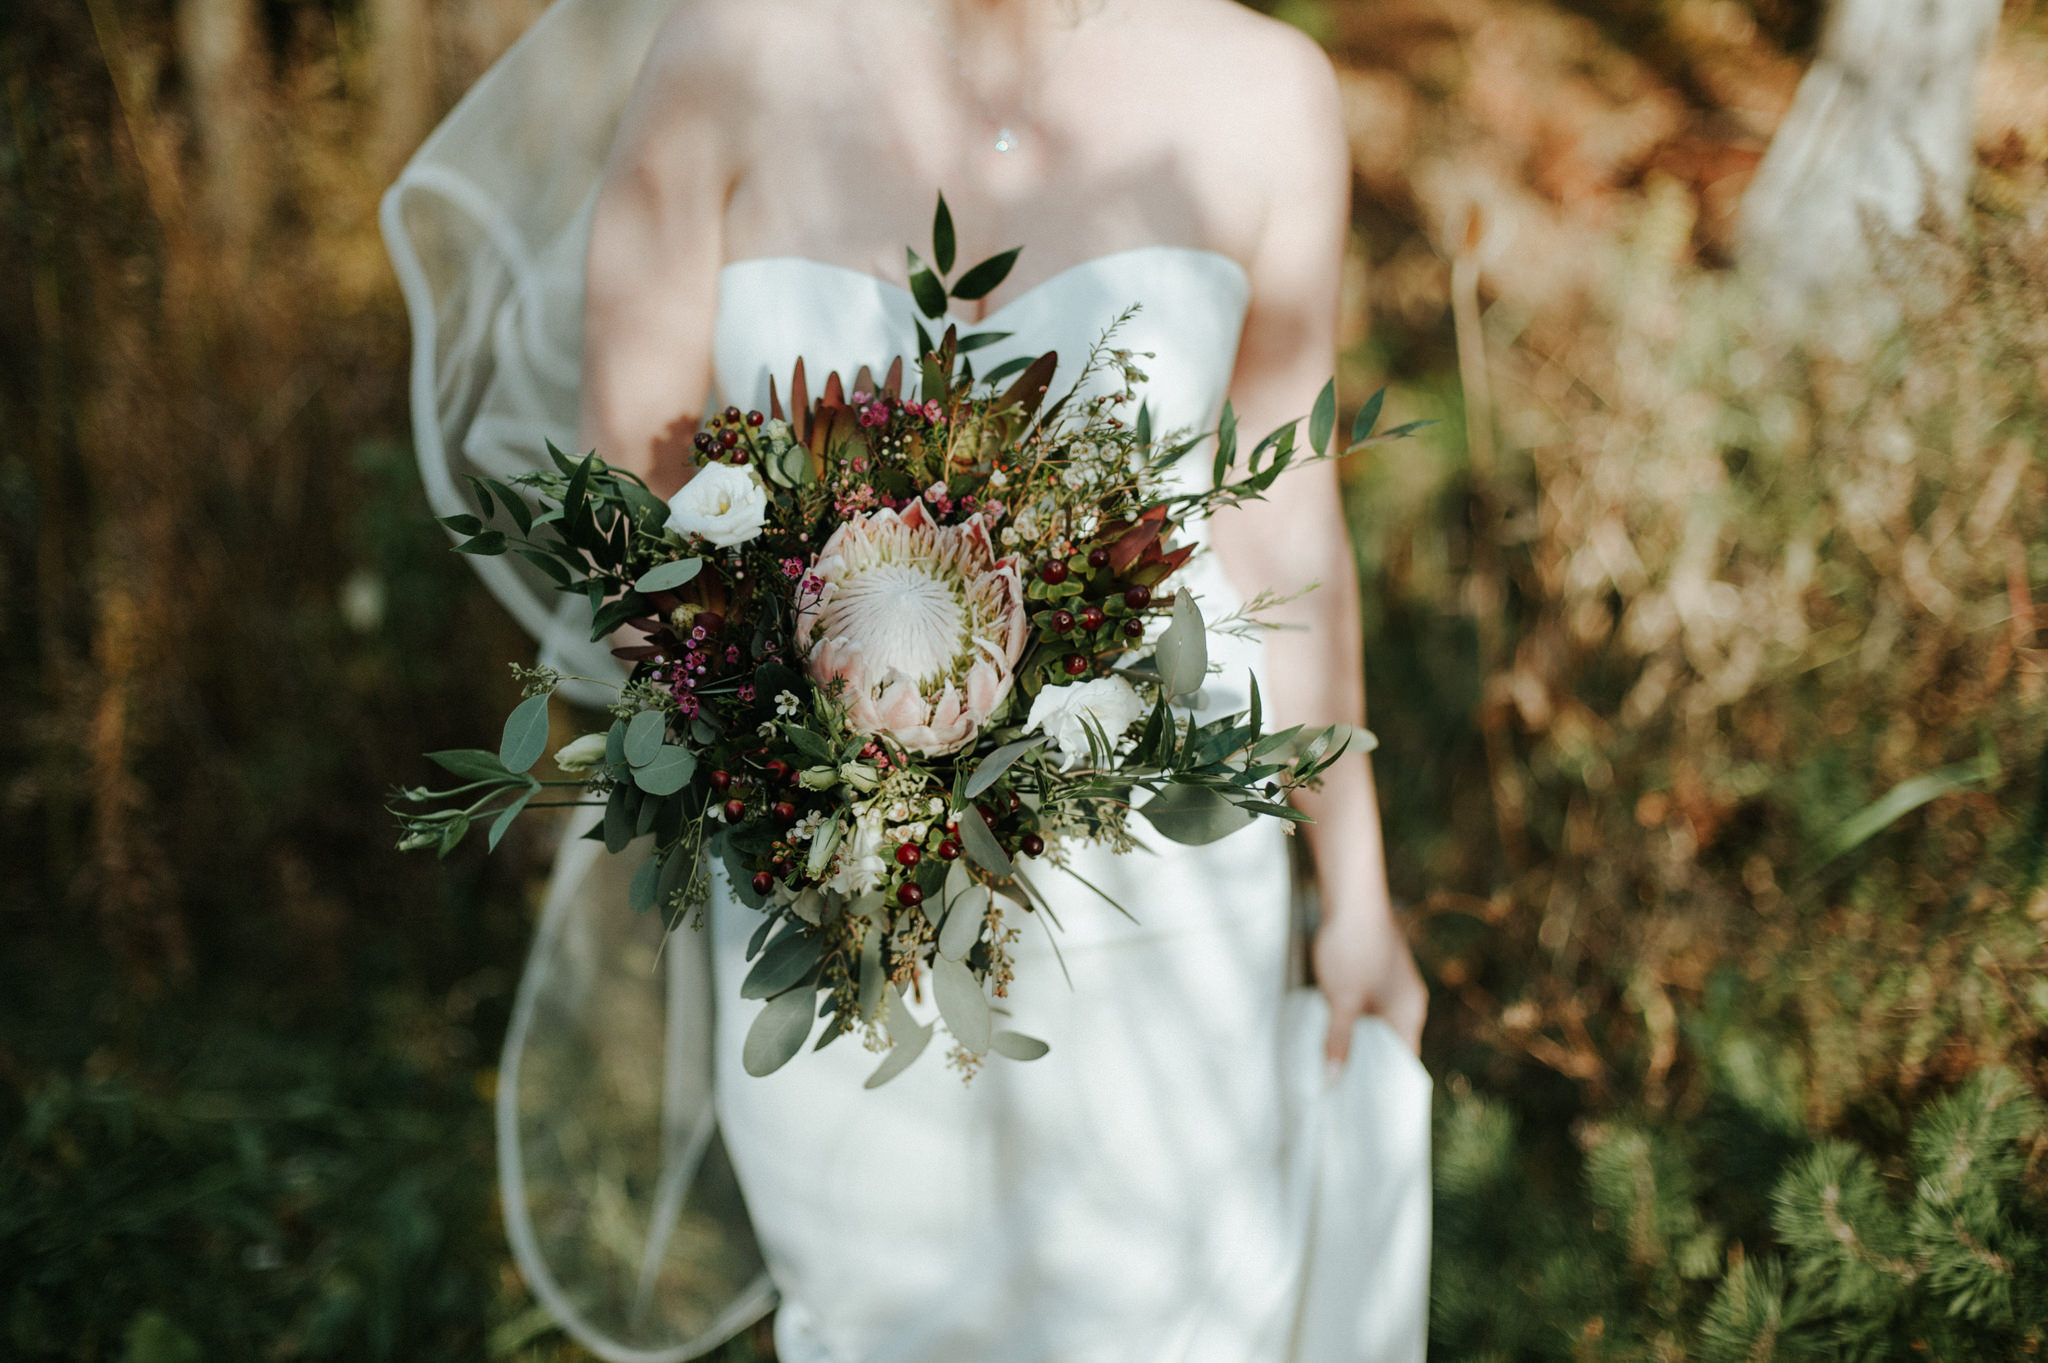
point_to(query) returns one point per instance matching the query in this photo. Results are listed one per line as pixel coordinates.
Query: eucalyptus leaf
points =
(963, 925)
(669, 772)
(526, 734)
(996, 763)
(644, 733)
(1017, 1046)
(901, 1056)
(809, 905)
(778, 1032)
(869, 997)
(618, 819)
(981, 844)
(1182, 653)
(472, 764)
(677, 870)
(505, 818)
(787, 960)
(643, 893)
(961, 1004)
(666, 577)
(1193, 815)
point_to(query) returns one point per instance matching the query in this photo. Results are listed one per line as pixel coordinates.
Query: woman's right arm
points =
(651, 278)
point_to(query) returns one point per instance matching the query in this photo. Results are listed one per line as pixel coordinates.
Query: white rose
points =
(725, 504)
(1065, 712)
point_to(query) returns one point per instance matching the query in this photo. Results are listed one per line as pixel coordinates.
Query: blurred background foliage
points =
(1708, 669)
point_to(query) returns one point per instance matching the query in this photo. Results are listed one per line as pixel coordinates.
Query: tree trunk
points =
(1881, 127)
(217, 51)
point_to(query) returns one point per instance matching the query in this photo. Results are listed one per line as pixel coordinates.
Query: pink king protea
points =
(922, 621)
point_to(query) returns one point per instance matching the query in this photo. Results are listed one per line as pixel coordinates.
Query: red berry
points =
(732, 414)
(1075, 664)
(728, 437)
(949, 850)
(1134, 628)
(1137, 598)
(1054, 572)
(1032, 844)
(1098, 558)
(784, 811)
(1091, 617)
(737, 457)
(988, 816)
(735, 810)
(1016, 802)
(908, 854)
(754, 418)
(721, 780)
(763, 882)
(1062, 622)
(909, 896)
(778, 769)
(704, 443)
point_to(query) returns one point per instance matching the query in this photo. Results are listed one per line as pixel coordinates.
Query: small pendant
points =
(1006, 140)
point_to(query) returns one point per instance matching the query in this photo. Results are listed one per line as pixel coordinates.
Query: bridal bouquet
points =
(889, 650)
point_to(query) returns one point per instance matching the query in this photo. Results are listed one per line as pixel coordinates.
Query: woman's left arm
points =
(1295, 540)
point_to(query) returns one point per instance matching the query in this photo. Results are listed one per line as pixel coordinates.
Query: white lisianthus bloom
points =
(724, 504)
(582, 754)
(857, 866)
(1065, 712)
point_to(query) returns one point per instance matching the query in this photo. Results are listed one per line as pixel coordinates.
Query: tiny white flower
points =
(582, 754)
(724, 504)
(766, 728)
(1065, 712)
(807, 827)
(998, 479)
(786, 704)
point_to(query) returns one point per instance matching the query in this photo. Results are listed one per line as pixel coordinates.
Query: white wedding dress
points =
(1175, 1182)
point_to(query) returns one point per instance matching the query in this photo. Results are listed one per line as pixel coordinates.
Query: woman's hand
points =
(1364, 968)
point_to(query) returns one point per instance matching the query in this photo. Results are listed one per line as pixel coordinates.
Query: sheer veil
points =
(622, 1210)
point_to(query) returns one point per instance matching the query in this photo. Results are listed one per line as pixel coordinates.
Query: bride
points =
(1209, 1165)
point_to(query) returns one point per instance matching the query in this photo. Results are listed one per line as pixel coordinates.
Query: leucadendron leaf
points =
(778, 1032)
(1193, 814)
(961, 1004)
(1182, 653)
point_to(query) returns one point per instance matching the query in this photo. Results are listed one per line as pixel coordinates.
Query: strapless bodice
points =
(1191, 306)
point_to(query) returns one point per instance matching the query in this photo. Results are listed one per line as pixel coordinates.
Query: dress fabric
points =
(1175, 1182)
